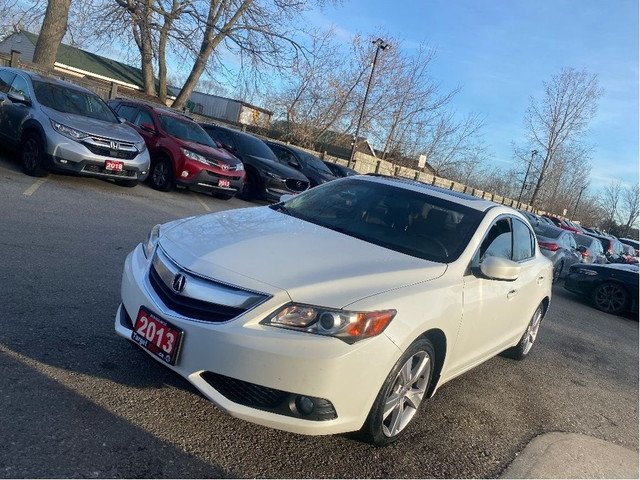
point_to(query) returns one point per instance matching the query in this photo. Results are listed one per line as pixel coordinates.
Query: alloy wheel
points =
(409, 388)
(610, 298)
(532, 331)
(160, 174)
(30, 154)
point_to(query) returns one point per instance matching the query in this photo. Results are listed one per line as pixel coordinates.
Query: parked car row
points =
(59, 126)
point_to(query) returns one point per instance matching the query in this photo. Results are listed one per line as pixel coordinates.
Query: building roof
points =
(96, 65)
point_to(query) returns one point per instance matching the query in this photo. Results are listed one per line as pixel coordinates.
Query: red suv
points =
(181, 151)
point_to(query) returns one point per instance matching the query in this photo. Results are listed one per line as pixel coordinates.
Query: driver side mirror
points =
(498, 268)
(581, 248)
(294, 163)
(18, 98)
(148, 127)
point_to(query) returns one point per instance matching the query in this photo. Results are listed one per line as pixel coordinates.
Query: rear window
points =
(547, 231)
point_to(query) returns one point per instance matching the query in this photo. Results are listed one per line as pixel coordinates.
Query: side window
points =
(498, 242)
(127, 112)
(144, 117)
(6, 78)
(523, 241)
(19, 85)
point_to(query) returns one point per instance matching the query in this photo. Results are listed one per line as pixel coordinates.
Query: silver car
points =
(60, 126)
(559, 246)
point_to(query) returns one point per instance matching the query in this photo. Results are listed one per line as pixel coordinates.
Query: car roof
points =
(46, 79)
(157, 108)
(231, 130)
(465, 199)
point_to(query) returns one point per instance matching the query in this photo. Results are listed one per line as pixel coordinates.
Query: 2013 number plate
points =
(224, 183)
(158, 336)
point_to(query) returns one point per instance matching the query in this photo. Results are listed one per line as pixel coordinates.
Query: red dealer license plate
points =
(113, 165)
(157, 336)
(224, 183)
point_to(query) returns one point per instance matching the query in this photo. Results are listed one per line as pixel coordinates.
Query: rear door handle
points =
(512, 294)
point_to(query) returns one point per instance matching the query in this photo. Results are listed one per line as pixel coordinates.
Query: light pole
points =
(524, 182)
(380, 45)
(575, 209)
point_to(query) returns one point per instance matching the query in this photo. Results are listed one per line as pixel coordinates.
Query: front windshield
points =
(70, 100)
(185, 130)
(314, 162)
(407, 221)
(248, 145)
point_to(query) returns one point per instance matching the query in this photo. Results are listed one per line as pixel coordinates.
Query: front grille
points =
(296, 185)
(99, 169)
(190, 307)
(105, 152)
(111, 148)
(245, 393)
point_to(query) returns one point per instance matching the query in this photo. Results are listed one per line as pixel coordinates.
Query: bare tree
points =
(560, 118)
(629, 210)
(54, 27)
(609, 200)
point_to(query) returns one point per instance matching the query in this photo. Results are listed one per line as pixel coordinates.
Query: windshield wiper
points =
(282, 208)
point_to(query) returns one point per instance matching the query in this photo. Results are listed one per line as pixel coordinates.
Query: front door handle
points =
(540, 280)
(512, 294)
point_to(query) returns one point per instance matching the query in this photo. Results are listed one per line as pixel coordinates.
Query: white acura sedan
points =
(340, 309)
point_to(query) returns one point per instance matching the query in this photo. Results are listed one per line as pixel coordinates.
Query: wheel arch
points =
(439, 341)
(32, 126)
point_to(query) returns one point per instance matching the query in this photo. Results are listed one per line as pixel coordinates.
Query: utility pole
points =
(575, 209)
(380, 45)
(524, 182)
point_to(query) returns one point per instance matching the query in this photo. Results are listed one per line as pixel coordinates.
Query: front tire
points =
(610, 298)
(522, 349)
(33, 155)
(401, 394)
(161, 175)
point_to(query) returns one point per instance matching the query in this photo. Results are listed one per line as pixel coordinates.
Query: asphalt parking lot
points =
(78, 401)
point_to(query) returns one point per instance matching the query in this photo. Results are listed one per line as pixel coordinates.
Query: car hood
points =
(272, 166)
(206, 150)
(263, 249)
(93, 126)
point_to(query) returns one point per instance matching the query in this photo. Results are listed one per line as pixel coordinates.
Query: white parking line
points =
(204, 205)
(29, 191)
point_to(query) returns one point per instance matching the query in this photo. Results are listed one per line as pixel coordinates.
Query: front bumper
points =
(347, 376)
(70, 156)
(208, 182)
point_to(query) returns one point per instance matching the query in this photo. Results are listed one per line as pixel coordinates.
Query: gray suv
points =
(60, 126)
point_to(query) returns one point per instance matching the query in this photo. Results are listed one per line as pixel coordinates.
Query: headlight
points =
(349, 327)
(68, 131)
(273, 175)
(151, 241)
(195, 156)
(141, 146)
(239, 167)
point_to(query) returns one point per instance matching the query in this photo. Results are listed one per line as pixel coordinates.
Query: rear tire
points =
(33, 155)
(610, 297)
(161, 175)
(401, 394)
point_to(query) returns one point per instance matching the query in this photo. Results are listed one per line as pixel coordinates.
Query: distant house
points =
(81, 63)
(75, 61)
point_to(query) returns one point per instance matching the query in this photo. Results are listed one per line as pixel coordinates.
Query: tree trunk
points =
(54, 26)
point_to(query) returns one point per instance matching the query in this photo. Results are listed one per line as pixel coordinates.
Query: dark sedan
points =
(266, 178)
(612, 288)
(309, 165)
(340, 170)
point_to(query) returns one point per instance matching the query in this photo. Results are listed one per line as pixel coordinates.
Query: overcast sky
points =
(500, 52)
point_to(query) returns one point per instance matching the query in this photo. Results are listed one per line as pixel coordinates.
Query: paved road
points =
(77, 401)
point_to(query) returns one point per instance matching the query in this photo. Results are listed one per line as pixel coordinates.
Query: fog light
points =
(185, 173)
(304, 405)
(63, 161)
(143, 173)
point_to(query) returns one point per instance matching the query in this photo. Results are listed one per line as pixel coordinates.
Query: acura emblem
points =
(115, 145)
(179, 282)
